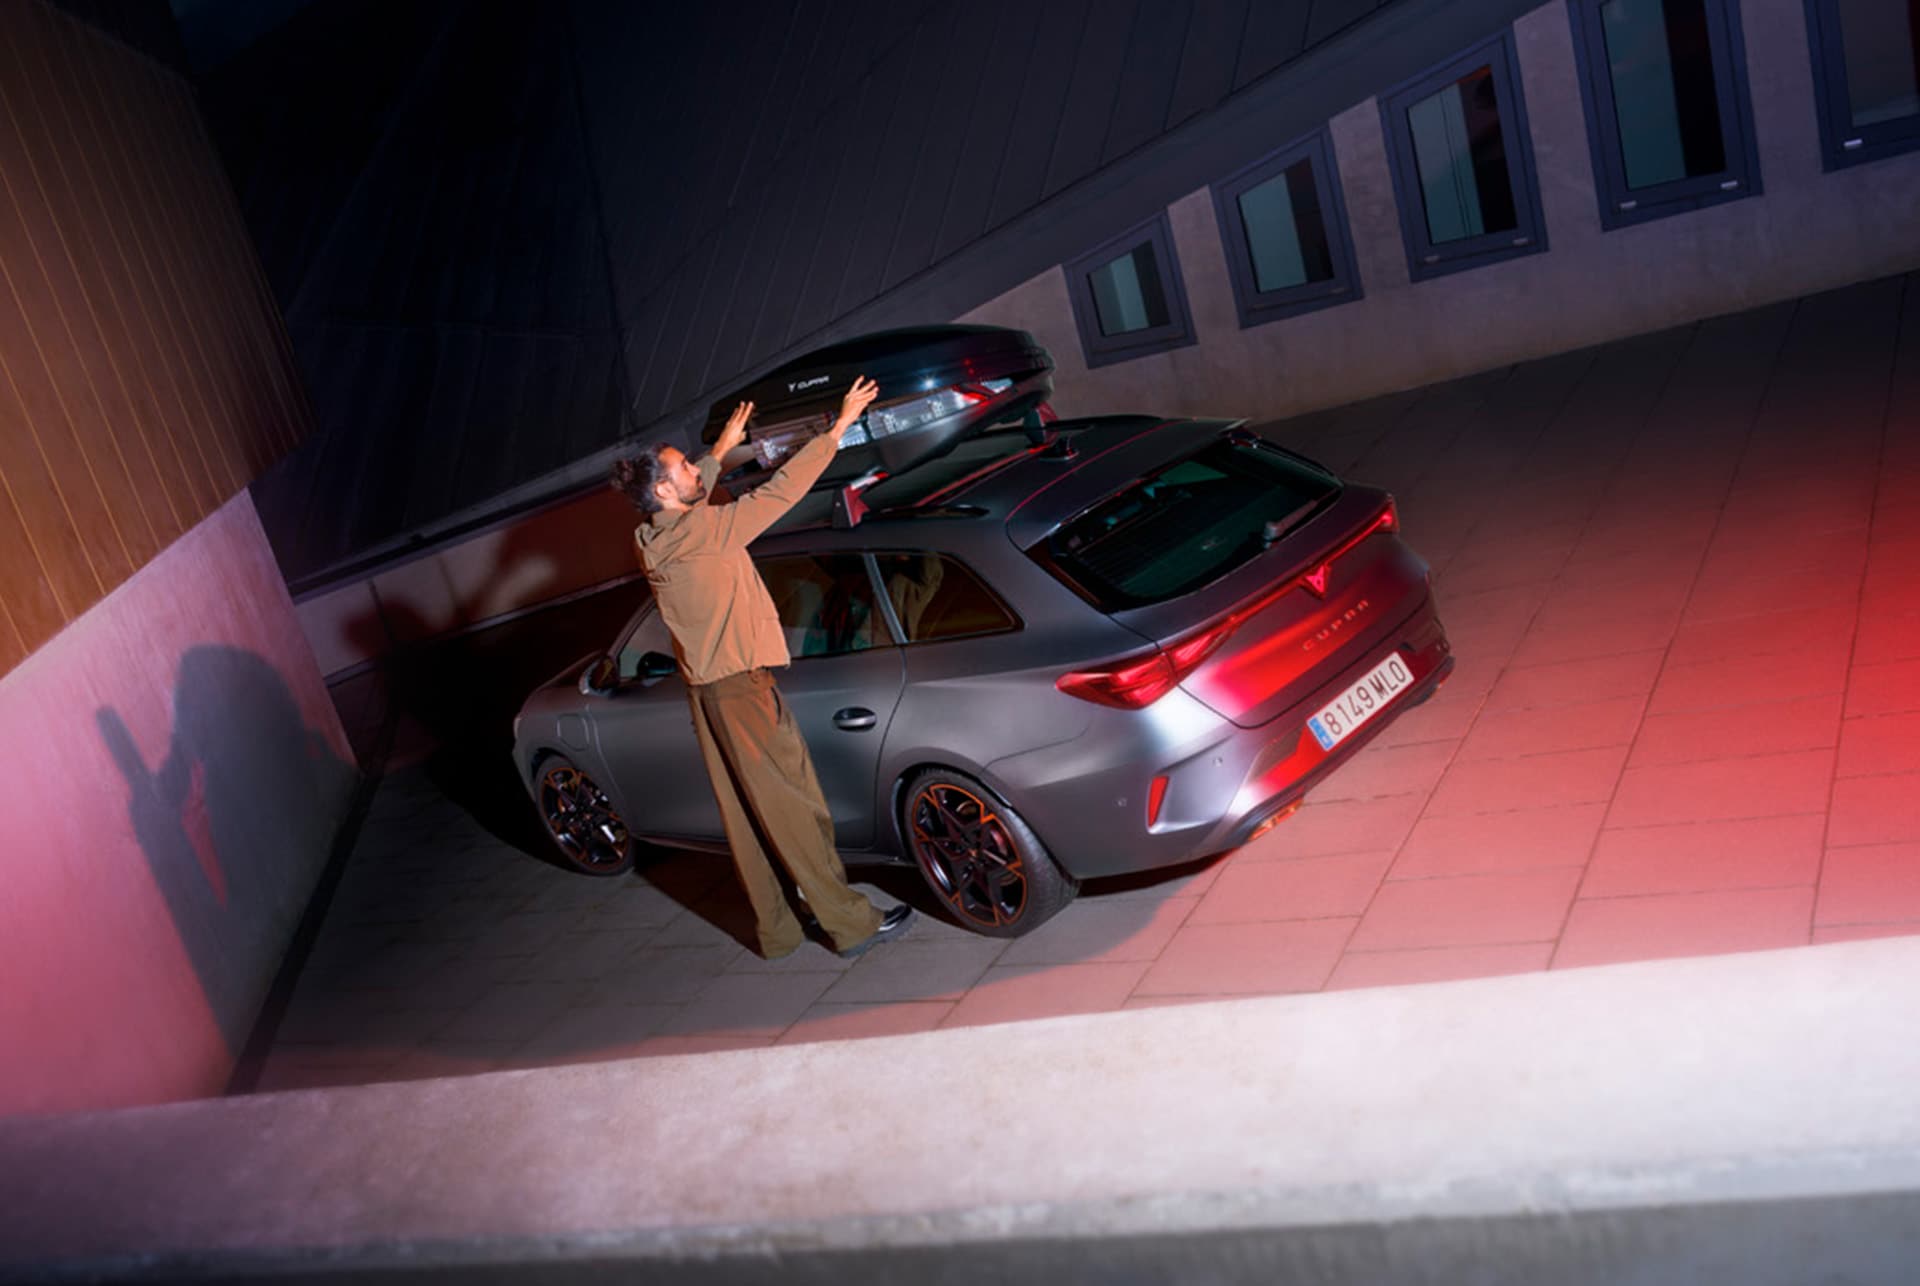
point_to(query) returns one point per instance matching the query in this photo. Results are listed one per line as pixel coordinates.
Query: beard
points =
(693, 495)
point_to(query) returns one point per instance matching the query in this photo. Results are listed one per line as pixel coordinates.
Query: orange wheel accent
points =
(581, 820)
(968, 855)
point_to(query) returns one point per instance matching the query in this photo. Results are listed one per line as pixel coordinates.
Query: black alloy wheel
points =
(581, 820)
(980, 857)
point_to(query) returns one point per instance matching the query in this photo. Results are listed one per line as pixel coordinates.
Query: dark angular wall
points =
(506, 233)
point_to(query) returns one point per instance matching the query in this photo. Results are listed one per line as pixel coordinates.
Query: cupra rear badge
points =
(1333, 628)
(1316, 580)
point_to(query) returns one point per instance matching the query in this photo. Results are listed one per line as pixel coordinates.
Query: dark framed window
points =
(1462, 163)
(1284, 226)
(1866, 71)
(1128, 300)
(1668, 115)
(825, 603)
(934, 598)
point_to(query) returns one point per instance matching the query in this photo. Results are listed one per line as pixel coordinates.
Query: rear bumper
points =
(1089, 800)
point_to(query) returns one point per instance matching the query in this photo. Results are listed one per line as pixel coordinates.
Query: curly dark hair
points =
(635, 477)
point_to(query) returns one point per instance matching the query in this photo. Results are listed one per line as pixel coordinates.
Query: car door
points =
(644, 729)
(843, 687)
(845, 680)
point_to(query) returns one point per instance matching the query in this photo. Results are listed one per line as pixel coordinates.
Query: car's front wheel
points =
(581, 820)
(987, 866)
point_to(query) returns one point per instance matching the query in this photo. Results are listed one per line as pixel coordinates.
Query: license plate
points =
(1342, 716)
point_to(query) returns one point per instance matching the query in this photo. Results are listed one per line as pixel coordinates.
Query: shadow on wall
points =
(452, 699)
(236, 823)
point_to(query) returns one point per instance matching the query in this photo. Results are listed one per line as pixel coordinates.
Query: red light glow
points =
(1274, 821)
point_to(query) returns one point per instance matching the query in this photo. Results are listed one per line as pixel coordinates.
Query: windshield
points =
(1186, 524)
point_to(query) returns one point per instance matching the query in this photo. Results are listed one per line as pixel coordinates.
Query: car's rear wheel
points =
(980, 857)
(580, 819)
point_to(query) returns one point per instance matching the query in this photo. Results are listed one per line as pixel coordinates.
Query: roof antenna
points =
(1059, 446)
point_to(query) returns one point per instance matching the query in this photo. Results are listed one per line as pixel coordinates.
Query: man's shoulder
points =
(688, 534)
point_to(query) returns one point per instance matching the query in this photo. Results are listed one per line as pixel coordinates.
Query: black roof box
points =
(938, 386)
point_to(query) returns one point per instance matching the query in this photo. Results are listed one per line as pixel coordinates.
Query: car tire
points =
(980, 858)
(585, 828)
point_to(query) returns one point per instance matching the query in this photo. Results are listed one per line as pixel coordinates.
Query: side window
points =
(1866, 71)
(1668, 117)
(937, 598)
(649, 636)
(1284, 227)
(1462, 163)
(1128, 300)
(825, 602)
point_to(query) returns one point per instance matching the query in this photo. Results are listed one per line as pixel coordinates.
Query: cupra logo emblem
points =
(1316, 580)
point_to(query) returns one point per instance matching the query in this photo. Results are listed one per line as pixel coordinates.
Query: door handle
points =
(854, 719)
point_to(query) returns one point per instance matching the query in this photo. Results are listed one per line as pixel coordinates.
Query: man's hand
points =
(859, 397)
(734, 434)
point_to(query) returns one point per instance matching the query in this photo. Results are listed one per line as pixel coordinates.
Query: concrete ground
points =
(1682, 577)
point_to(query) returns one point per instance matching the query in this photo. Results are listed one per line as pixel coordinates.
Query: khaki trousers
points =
(769, 798)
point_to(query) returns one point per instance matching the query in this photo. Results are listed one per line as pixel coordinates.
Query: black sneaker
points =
(892, 925)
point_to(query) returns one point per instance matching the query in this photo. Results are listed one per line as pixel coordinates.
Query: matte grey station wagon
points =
(1027, 651)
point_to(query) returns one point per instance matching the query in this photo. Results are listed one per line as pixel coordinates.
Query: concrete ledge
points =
(1739, 1118)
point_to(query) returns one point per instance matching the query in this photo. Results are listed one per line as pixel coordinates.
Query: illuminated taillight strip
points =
(1386, 520)
(1137, 681)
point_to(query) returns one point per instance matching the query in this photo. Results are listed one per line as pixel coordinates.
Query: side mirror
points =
(657, 665)
(599, 678)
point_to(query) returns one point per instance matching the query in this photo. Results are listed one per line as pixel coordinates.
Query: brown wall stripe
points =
(145, 376)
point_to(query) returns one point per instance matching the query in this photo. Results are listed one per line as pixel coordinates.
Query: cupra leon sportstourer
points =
(1027, 651)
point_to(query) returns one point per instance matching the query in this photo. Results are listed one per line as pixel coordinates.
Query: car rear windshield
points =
(1186, 524)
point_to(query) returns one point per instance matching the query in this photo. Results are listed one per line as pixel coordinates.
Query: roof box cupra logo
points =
(796, 386)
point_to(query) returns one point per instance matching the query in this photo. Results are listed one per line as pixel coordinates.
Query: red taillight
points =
(1135, 682)
(1131, 684)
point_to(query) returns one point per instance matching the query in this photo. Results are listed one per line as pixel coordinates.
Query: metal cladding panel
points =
(1094, 88)
(1275, 34)
(969, 43)
(1146, 81)
(976, 160)
(1208, 56)
(1022, 176)
(145, 378)
(465, 252)
(887, 187)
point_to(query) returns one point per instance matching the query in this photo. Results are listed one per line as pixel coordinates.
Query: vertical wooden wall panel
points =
(132, 282)
(136, 142)
(96, 247)
(144, 374)
(68, 344)
(85, 245)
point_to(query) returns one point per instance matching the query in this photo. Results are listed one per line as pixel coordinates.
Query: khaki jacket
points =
(714, 603)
